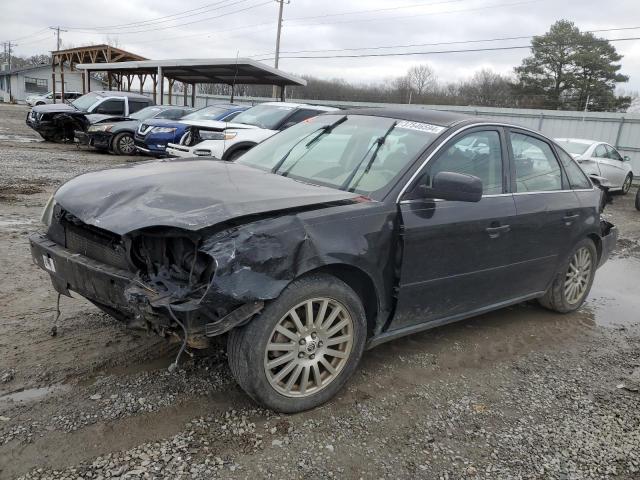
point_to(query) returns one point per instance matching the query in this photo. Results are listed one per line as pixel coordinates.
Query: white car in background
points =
(47, 98)
(602, 160)
(228, 141)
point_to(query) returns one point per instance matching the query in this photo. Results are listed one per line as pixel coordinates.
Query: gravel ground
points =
(518, 393)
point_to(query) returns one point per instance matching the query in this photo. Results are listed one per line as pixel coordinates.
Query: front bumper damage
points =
(143, 303)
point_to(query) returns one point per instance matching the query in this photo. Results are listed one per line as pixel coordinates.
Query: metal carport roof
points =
(230, 71)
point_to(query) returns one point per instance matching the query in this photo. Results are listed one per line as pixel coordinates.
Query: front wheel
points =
(573, 281)
(626, 186)
(304, 346)
(123, 144)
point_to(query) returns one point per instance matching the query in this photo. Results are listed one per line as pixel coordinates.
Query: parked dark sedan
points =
(116, 134)
(340, 233)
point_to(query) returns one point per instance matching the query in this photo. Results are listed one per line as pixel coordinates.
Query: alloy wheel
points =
(126, 145)
(578, 275)
(626, 186)
(309, 347)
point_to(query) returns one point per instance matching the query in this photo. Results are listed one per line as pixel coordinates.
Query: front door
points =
(456, 255)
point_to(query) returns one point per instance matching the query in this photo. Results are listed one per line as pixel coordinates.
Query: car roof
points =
(319, 108)
(578, 140)
(107, 93)
(416, 113)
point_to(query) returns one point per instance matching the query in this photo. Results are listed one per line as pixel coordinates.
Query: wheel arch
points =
(597, 241)
(361, 283)
(239, 146)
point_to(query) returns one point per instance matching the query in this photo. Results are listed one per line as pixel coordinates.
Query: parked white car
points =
(47, 98)
(600, 159)
(228, 141)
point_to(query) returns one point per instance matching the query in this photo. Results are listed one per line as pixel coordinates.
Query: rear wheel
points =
(303, 347)
(573, 282)
(626, 186)
(123, 144)
(638, 199)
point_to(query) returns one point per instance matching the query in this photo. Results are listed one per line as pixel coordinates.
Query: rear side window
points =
(111, 107)
(537, 169)
(478, 154)
(298, 117)
(135, 105)
(600, 152)
(577, 177)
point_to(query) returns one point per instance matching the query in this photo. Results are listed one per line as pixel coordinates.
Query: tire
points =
(638, 199)
(250, 358)
(40, 103)
(626, 186)
(559, 297)
(123, 144)
(236, 154)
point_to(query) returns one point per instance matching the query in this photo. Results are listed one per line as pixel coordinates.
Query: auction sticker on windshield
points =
(423, 127)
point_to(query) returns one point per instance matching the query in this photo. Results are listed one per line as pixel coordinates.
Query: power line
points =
(411, 45)
(166, 18)
(432, 52)
(183, 24)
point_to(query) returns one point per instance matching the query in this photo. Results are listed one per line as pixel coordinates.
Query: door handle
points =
(495, 232)
(569, 218)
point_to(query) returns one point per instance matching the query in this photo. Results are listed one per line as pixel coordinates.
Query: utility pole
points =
(7, 56)
(280, 10)
(53, 66)
(57, 30)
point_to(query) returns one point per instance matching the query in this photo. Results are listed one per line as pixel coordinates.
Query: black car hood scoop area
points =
(190, 194)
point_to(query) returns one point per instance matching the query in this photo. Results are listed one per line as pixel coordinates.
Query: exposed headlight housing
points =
(102, 127)
(47, 212)
(163, 129)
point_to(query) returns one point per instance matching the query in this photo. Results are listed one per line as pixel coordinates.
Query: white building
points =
(36, 79)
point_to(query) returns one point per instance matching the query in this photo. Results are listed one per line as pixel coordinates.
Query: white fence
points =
(619, 129)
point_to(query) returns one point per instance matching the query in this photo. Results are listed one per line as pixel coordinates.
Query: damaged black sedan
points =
(338, 234)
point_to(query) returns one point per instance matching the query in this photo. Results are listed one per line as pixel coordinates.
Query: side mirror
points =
(451, 186)
(626, 158)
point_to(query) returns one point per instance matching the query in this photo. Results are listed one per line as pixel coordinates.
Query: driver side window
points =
(478, 154)
(612, 153)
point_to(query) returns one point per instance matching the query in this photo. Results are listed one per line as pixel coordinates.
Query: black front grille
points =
(96, 246)
(92, 242)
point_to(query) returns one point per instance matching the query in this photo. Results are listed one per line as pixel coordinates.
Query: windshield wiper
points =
(378, 144)
(321, 131)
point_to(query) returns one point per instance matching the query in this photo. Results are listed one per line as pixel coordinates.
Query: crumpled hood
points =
(54, 108)
(191, 194)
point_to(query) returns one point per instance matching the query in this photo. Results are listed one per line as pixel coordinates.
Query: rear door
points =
(548, 211)
(612, 166)
(456, 255)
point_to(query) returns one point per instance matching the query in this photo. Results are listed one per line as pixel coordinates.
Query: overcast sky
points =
(223, 28)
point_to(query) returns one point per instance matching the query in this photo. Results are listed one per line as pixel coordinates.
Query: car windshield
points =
(147, 112)
(356, 153)
(85, 101)
(206, 113)
(577, 148)
(264, 116)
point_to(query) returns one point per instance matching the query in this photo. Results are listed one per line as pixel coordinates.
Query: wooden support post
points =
(53, 78)
(62, 81)
(84, 82)
(185, 87)
(161, 86)
(193, 95)
(109, 80)
(170, 89)
(154, 78)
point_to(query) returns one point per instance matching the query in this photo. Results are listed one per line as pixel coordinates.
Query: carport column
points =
(160, 86)
(185, 87)
(193, 95)
(53, 78)
(282, 93)
(62, 81)
(87, 78)
(84, 81)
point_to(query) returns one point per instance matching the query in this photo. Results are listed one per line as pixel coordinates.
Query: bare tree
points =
(421, 78)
